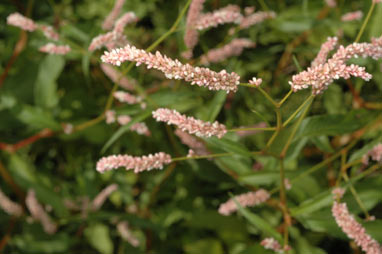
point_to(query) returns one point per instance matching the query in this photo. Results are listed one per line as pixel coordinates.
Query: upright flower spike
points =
(139, 164)
(16, 19)
(191, 36)
(127, 18)
(190, 124)
(320, 76)
(234, 48)
(322, 55)
(174, 69)
(228, 14)
(110, 19)
(245, 200)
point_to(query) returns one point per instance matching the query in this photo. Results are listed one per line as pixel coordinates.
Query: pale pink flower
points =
(322, 55)
(124, 230)
(110, 19)
(126, 97)
(350, 16)
(174, 69)
(272, 244)
(234, 48)
(117, 77)
(228, 14)
(10, 207)
(196, 146)
(49, 32)
(100, 199)
(38, 213)
(354, 230)
(190, 124)
(54, 49)
(320, 76)
(245, 200)
(331, 3)
(139, 164)
(375, 153)
(191, 153)
(126, 18)
(110, 116)
(191, 36)
(256, 18)
(256, 81)
(140, 128)
(16, 19)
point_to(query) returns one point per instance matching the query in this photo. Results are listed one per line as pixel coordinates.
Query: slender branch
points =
(298, 110)
(266, 95)
(284, 203)
(253, 129)
(285, 98)
(364, 24)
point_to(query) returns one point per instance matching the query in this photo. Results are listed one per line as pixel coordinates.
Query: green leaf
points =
(322, 143)
(98, 236)
(258, 222)
(210, 246)
(45, 89)
(334, 99)
(228, 146)
(233, 164)
(37, 118)
(215, 106)
(30, 243)
(260, 178)
(126, 128)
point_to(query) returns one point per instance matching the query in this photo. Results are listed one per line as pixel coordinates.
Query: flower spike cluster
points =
(139, 164)
(174, 69)
(245, 200)
(18, 20)
(190, 124)
(320, 76)
(234, 48)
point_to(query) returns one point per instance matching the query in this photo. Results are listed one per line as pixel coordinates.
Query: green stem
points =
(201, 156)
(278, 129)
(285, 98)
(266, 95)
(283, 201)
(364, 24)
(288, 143)
(298, 110)
(253, 129)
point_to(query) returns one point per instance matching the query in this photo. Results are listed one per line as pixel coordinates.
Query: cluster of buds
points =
(128, 98)
(234, 48)
(245, 200)
(319, 77)
(256, 81)
(174, 69)
(190, 124)
(18, 20)
(139, 164)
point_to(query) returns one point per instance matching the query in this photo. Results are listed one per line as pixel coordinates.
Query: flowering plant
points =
(260, 125)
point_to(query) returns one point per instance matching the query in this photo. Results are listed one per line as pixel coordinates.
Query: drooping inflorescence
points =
(139, 164)
(320, 76)
(174, 69)
(190, 124)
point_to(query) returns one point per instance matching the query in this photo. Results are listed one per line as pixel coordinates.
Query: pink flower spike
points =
(256, 81)
(38, 213)
(124, 230)
(10, 207)
(196, 146)
(139, 164)
(338, 193)
(109, 21)
(331, 3)
(49, 32)
(245, 200)
(256, 18)
(322, 55)
(350, 16)
(100, 199)
(190, 124)
(51, 48)
(191, 36)
(174, 69)
(234, 48)
(354, 230)
(126, 97)
(16, 19)
(228, 14)
(127, 18)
